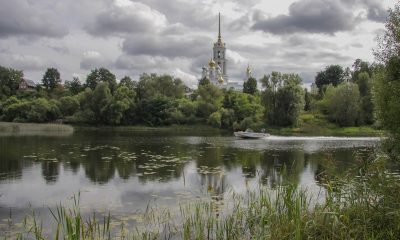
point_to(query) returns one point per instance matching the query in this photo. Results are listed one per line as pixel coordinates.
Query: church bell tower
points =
(219, 51)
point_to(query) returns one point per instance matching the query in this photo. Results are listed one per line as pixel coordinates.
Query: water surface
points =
(125, 171)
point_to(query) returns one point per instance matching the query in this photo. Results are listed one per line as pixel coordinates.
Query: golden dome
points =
(220, 79)
(212, 63)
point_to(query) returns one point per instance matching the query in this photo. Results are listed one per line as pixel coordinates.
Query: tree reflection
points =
(106, 155)
(50, 171)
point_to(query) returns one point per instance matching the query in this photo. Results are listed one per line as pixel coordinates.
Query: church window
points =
(219, 54)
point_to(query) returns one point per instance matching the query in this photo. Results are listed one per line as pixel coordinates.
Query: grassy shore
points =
(362, 204)
(309, 125)
(7, 128)
(317, 125)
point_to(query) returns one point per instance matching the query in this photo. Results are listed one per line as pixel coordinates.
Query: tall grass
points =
(364, 204)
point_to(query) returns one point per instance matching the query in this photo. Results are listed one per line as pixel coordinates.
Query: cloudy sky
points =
(175, 36)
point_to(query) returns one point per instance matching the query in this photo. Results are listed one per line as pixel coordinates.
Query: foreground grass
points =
(364, 204)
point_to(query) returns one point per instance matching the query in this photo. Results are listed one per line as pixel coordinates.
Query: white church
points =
(217, 71)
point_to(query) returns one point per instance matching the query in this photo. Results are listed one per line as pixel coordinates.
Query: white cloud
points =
(187, 78)
(235, 57)
(93, 59)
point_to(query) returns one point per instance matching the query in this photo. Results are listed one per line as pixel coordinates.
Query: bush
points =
(215, 119)
(69, 105)
(342, 104)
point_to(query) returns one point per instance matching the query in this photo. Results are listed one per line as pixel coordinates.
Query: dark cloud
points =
(377, 13)
(167, 46)
(374, 8)
(29, 18)
(310, 16)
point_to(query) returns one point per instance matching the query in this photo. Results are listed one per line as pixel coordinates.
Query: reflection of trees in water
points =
(210, 156)
(279, 167)
(97, 169)
(50, 171)
(249, 160)
(101, 165)
(12, 152)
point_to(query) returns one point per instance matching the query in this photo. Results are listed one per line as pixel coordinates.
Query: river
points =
(124, 171)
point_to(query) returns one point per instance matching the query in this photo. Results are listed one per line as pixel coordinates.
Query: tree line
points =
(153, 100)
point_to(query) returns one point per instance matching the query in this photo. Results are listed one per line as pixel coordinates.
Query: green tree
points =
(307, 100)
(250, 86)
(215, 119)
(128, 82)
(243, 105)
(37, 110)
(188, 110)
(151, 86)
(99, 102)
(210, 99)
(51, 79)
(121, 107)
(360, 66)
(386, 88)
(204, 81)
(363, 81)
(42, 110)
(342, 104)
(69, 105)
(101, 75)
(333, 74)
(283, 99)
(9, 81)
(74, 86)
(155, 111)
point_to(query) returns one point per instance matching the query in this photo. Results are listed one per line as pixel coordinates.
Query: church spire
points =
(219, 26)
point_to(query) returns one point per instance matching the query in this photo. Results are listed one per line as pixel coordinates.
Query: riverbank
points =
(7, 128)
(309, 125)
(318, 125)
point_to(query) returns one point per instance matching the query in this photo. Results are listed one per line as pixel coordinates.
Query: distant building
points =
(217, 69)
(27, 85)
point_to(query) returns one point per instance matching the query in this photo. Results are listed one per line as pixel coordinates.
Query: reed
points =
(364, 204)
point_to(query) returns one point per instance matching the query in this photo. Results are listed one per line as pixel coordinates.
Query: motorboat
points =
(251, 134)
